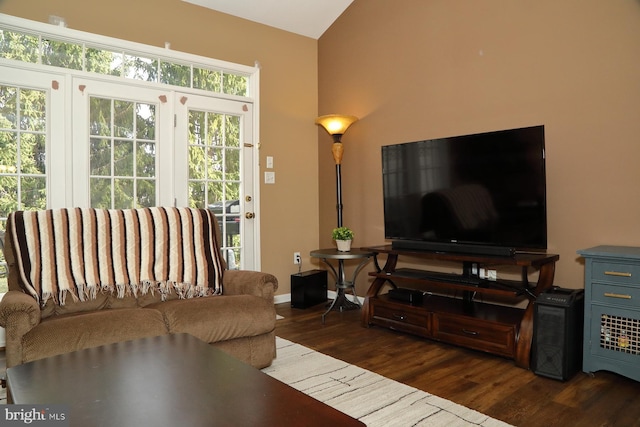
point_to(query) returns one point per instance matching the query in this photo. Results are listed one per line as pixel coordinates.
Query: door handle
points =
(249, 215)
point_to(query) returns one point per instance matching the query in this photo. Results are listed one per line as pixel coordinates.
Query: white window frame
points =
(64, 128)
(57, 194)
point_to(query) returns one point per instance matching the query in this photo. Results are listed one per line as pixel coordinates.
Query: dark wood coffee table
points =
(171, 380)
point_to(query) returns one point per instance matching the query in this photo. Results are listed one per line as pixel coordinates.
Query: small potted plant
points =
(343, 237)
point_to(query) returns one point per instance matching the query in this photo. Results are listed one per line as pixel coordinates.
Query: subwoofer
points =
(308, 288)
(557, 334)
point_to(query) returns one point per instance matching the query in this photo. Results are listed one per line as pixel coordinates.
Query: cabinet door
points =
(615, 333)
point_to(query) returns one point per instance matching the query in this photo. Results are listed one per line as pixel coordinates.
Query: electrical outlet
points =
(297, 259)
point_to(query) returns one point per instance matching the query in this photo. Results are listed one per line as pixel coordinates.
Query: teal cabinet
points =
(612, 310)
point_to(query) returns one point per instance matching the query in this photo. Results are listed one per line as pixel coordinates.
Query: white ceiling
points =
(309, 18)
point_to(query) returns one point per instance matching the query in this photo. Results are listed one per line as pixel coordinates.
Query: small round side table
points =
(341, 302)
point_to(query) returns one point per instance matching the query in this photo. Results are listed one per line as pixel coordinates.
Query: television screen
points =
(485, 189)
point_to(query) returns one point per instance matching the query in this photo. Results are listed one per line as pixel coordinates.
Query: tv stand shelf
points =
(497, 329)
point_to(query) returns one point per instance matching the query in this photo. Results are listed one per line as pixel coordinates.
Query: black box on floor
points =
(308, 288)
(557, 333)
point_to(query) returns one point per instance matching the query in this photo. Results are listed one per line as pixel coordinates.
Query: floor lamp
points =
(336, 125)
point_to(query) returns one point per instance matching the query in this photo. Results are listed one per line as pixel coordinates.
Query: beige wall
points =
(421, 69)
(288, 98)
(417, 69)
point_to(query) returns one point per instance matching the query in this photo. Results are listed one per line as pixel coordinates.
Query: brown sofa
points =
(240, 321)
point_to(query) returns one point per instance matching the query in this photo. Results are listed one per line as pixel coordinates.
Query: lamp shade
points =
(336, 124)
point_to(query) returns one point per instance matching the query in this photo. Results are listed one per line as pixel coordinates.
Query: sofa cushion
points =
(63, 334)
(219, 318)
(72, 306)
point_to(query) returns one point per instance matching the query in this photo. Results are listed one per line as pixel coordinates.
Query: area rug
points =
(365, 395)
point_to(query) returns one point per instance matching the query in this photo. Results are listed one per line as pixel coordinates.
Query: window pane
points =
(32, 154)
(33, 110)
(33, 192)
(232, 165)
(19, 46)
(232, 256)
(175, 74)
(197, 163)
(62, 54)
(123, 158)
(8, 192)
(146, 159)
(139, 68)
(232, 190)
(103, 62)
(100, 116)
(210, 80)
(146, 193)
(123, 193)
(232, 131)
(197, 127)
(100, 157)
(123, 118)
(197, 194)
(233, 84)
(8, 107)
(146, 121)
(214, 129)
(8, 152)
(215, 191)
(101, 193)
(214, 169)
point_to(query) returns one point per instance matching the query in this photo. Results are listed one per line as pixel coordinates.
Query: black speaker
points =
(557, 334)
(308, 288)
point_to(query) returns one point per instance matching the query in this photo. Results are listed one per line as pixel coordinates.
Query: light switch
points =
(269, 162)
(269, 177)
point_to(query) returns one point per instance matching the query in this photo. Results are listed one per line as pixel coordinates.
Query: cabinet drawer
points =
(476, 334)
(623, 296)
(402, 318)
(616, 273)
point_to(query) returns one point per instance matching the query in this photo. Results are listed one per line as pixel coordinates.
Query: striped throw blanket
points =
(78, 252)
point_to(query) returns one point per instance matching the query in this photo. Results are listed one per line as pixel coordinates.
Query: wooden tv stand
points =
(498, 329)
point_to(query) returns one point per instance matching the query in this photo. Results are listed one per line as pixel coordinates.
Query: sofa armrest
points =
(19, 313)
(21, 304)
(246, 282)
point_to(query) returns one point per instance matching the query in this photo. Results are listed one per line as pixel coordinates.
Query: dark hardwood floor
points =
(486, 383)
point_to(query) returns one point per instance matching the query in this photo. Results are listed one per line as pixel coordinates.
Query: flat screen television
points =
(482, 194)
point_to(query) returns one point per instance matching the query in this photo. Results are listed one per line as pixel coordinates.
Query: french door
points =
(214, 156)
(140, 146)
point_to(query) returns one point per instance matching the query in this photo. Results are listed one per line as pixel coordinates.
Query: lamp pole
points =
(337, 150)
(336, 125)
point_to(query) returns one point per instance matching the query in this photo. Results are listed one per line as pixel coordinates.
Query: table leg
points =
(341, 301)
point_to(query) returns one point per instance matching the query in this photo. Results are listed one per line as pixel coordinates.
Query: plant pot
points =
(344, 245)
